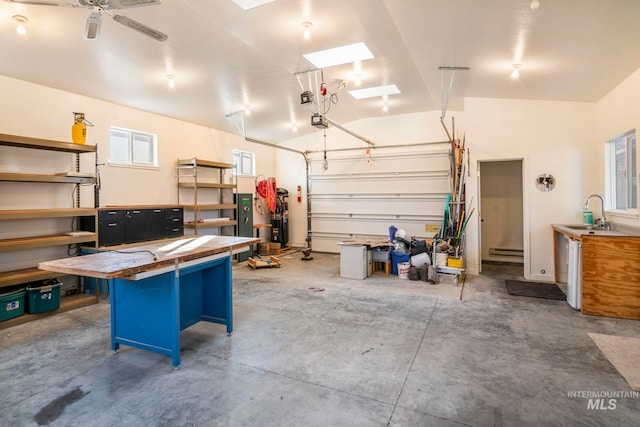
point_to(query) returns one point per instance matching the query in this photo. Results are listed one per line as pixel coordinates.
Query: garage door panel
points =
(359, 198)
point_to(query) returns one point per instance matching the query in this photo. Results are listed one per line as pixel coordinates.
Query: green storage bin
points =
(43, 298)
(11, 305)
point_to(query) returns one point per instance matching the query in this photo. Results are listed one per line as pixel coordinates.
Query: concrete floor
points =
(312, 349)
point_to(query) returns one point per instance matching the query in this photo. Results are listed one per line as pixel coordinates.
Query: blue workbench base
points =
(149, 313)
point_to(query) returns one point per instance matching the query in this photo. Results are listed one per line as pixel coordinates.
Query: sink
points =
(584, 227)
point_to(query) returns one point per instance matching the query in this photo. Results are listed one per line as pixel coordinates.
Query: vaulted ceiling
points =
(225, 59)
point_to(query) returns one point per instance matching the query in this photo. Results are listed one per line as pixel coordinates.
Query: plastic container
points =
(380, 255)
(420, 259)
(403, 270)
(587, 217)
(455, 262)
(441, 259)
(44, 298)
(397, 257)
(11, 305)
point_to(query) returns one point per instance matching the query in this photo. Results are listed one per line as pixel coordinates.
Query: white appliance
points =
(355, 262)
(574, 283)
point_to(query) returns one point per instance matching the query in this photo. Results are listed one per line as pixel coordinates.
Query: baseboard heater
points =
(518, 253)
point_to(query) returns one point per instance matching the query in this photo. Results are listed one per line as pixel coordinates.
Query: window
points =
(132, 148)
(622, 178)
(244, 163)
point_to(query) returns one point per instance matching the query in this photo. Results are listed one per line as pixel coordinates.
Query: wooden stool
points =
(382, 267)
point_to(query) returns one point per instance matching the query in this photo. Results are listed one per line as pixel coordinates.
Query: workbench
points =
(158, 289)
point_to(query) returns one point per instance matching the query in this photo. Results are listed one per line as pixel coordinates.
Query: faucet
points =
(602, 222)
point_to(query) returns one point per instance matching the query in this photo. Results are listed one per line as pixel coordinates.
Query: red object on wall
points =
(267, 190)
(323, 89)
(299, 193)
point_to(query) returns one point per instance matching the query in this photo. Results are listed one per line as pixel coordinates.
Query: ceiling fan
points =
(98, 7)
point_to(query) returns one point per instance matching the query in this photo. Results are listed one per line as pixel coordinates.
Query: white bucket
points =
(441, 259)
(420, 259)
(403, 270)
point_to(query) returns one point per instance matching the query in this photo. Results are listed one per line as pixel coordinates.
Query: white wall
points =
(41, 112)
(551, 137)
(37, 111)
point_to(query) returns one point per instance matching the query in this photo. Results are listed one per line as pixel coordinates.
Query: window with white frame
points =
(622, 177)
(244, 163)
(132, 148)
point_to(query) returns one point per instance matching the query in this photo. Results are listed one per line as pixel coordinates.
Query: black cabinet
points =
(119, 226)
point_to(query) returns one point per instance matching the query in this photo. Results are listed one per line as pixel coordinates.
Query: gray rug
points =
(535, 289)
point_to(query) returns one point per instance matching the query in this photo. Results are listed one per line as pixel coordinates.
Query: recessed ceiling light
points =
(339, 55)
(370, 92)
(250, 4)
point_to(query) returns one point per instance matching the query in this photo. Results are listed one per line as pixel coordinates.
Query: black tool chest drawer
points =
(118, 226)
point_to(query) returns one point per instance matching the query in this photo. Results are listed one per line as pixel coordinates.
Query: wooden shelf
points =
(17, 277)
(210, 224)
(205, 185)
(55, 179)
(195, 162)
(212, 206)
(45, 144)
(22, 243)
(67, 303)
(46, 213)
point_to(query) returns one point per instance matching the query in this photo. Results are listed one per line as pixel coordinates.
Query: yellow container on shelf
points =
(455, 262)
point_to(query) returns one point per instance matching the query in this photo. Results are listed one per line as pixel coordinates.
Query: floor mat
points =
(534, 289)
(623, 353)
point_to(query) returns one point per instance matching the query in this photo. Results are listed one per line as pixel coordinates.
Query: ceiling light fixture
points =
(516, 71)
(171, 83)
(535, 5)
(247, 111)
(307, 30)
(92, 27)
(21, 20)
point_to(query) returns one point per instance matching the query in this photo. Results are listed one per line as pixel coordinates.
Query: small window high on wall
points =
(244, 162)
(132, 148)
(621, 173)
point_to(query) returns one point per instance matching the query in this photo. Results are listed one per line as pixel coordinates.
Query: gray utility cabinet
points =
(245, 220)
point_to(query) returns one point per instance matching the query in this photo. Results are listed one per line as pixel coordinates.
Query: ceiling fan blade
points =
(125, 4)
(44, 3)
(144, 29)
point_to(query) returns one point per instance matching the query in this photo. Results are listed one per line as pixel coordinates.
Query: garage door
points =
(358, 194)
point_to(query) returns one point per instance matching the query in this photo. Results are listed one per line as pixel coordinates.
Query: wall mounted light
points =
(171, 83)
(515, 73)
(357, 79)
(21, 20)
(307, 30)
(247, 111)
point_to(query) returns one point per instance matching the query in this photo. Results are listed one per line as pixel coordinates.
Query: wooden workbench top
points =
(127, 261)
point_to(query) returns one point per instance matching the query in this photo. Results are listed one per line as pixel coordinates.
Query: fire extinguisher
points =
(299, 193)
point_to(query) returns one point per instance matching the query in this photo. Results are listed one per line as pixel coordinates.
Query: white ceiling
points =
(224, 58)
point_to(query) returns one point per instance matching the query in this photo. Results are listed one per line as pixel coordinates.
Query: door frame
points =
(525, 211)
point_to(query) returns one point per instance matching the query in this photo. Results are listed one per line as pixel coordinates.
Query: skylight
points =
(339, 55)
(250, 4)
(371, 92)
